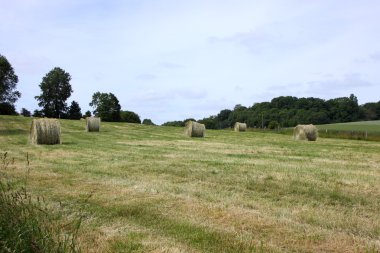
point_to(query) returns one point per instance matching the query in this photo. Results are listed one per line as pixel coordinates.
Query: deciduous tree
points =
(55, 90)
(8, 83)
(106, 106)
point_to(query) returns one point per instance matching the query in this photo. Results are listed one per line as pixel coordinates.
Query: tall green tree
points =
(106, 106)
(74, 111)
(344, 109)
(55, 90)
(223, 119)
(8, 83)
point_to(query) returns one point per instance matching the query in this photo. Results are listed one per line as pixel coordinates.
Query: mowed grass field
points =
(369, 126)
(151, 189)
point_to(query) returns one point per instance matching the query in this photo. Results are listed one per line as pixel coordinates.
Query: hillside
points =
(362, 130)
(369, 126)
(151, 189)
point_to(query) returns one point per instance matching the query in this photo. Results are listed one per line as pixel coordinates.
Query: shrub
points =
(7, 109)
(273, 124)
(148, 122)
(25, 112)
(131, 117)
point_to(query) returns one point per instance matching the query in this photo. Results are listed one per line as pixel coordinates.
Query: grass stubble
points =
(154, 190)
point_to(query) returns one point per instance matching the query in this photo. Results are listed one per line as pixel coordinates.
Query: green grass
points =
(151, 189)
(363, 130)
(27, 224)
(369, 126)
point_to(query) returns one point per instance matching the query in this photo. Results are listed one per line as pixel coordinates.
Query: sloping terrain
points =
(151, 189)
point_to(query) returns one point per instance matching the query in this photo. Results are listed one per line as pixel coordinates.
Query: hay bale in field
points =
(195, 129)
(240, 127)
(305, 132)
(45, 131)
(92, 124)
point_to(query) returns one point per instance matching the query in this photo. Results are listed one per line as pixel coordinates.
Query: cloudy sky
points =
(174, 59)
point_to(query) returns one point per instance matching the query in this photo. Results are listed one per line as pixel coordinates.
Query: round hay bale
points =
(195, 129)
(305, 132)
(45, 131)
(92, 124)
(240, 127)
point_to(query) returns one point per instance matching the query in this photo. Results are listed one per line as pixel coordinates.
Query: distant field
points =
(362, 130)
(370, 126)
(154, 190)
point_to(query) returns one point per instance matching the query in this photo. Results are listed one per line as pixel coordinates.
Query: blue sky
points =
(172, 59)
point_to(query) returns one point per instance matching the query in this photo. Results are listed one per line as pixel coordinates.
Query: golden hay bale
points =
(195, 129)
(45, 131)
(240, 127)
(92, 124)
(305, 132)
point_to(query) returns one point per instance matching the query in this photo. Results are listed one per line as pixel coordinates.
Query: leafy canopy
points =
(287, 111)
(8, 92)
(106, 106)
(8, 82)
(55, 90)
(131, 117)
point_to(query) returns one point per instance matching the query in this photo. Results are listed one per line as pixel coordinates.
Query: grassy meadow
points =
(361, 130)
(369, 126)
(151, 189)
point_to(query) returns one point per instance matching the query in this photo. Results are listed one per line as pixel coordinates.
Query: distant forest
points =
(288, 111)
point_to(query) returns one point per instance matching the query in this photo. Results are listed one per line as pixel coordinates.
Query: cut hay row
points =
(92, 124)
(195, 129)
(48, 131)
(305, 132)
(240, 127)
(45, 131)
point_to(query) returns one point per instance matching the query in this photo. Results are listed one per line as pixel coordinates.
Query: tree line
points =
(283, 111)
(55, 90)
(288, 111)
